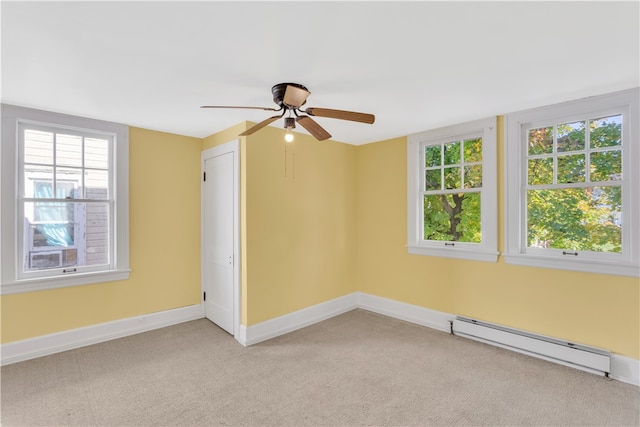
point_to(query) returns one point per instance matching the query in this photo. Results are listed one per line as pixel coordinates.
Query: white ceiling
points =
(415, 65)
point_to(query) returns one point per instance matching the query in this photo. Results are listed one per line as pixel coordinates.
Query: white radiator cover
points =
(579, 356)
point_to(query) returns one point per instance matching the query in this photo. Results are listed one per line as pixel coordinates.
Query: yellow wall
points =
(164, 206)
(300, 223)
(593, 309)
(337, 227)
(227, 135)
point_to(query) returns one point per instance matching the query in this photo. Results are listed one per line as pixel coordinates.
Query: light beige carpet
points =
(355, 369)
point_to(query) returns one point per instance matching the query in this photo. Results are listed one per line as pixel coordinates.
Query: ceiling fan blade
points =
(342, 115)
(246, 108)
(313, 127)
(259, 126)
(295, 96)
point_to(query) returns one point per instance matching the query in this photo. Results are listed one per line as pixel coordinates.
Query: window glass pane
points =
(97, 184)
(577, 219)
(46, 235)
(606, 131)
(62, 234)
(452, 178)
(452, 217)
(452, 153)
(473, 150)
(68, 150)
(540, 171)
(432, 156)
(49, 225)
(473, 176)
(432, 179)
(571, 169)
(68, 183)
(38, 147)
(97, 237)
(35, 178)
(50, 212)
(96, 153)
(606, 166)
(540, 141)
(571, 136)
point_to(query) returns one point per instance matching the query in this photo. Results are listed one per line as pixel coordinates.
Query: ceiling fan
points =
(290, 97)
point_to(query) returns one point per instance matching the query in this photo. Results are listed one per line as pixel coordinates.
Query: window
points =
(65, 214)
(452, 205)
(572, 185)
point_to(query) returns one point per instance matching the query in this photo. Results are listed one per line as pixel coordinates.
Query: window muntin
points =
(451, 191)
(571, 201)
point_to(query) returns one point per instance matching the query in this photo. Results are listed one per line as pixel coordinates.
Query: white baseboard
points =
(298, 319)
(625, 369)
(408, 312)
(19, 351)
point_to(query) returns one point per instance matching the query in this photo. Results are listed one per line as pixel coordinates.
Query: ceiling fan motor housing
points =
(278, 91)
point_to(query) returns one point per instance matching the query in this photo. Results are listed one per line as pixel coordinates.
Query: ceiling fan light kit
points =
(289, 123)
(290, 97)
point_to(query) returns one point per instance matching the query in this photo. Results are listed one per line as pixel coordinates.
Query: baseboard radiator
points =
(579, 356)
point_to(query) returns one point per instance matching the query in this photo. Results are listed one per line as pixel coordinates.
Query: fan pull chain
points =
(293, 161)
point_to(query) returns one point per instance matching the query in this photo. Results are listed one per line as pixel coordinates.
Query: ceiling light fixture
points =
(289, 123)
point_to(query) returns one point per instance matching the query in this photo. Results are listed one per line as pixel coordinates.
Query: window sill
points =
(585, 266)
(32, 285)
(472, 255)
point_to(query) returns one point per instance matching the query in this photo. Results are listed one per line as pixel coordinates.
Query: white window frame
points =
(487, 249)
(11, 221)
(516, 252)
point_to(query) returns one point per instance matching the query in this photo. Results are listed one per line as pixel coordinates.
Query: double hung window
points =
(572, 185)
(67, 221)
(452, 191)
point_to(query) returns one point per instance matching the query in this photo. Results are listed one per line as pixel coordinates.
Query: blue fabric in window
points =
(56, 226)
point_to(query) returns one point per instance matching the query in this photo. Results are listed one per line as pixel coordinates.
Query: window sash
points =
(24, 272)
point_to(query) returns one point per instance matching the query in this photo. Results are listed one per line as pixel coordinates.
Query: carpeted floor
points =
(356, 369)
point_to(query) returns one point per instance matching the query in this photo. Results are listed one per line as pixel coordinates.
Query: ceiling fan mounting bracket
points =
(278, 91)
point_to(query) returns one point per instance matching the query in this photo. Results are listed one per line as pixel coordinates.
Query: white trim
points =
(625, 369)
(298, 319)
(44, 345)
(32, 285)
(587, 265)
(458, 253)
(411, 313)
(234, 148)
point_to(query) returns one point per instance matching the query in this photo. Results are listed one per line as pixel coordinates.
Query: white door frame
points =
(234, 148)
